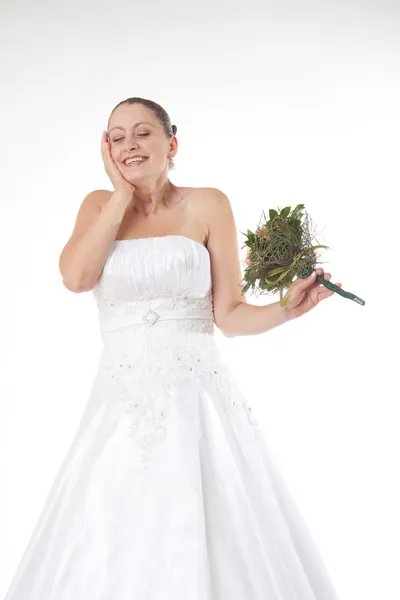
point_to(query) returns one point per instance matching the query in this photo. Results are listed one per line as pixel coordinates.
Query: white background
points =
(276, 104)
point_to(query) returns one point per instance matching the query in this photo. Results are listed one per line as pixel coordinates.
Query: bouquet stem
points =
(335, 288)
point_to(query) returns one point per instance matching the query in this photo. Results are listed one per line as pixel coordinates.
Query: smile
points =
(135, 162)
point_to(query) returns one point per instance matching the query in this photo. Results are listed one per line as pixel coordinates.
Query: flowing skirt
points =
(169, 492)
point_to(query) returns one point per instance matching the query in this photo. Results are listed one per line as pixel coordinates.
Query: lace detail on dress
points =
(142, 366)
(147, 310)
(183, 300)
(113, 310)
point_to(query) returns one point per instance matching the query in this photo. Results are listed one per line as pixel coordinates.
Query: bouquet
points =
(280, 250)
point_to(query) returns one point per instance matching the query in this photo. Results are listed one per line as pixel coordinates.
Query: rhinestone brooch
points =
(151, 317)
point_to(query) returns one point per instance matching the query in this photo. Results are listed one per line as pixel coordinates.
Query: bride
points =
(168, 490)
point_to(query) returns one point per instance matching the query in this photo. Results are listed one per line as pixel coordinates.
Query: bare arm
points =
(83, 257)
(233, 315)
(251, 319)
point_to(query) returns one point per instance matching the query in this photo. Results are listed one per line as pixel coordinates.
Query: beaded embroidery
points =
(144, 365)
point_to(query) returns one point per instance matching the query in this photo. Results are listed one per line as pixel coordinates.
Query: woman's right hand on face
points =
(117, 179)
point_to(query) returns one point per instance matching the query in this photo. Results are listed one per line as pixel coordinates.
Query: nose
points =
(132, 141)
(130, 144)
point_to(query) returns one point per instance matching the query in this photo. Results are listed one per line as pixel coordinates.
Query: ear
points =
(173, 147)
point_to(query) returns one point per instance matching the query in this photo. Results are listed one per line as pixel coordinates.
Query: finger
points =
(107, 149)
(105, 139)
(307, 281)
(327, 277)
(327, 293)
(104, 143)
(320, 271)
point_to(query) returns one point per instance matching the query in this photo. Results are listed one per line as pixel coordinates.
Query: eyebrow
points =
(141, 123)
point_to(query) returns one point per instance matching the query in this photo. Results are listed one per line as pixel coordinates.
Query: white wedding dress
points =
(169, 490)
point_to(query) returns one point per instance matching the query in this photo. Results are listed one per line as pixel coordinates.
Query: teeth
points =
(136, 159)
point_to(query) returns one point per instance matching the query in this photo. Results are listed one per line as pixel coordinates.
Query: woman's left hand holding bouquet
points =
(304, 294)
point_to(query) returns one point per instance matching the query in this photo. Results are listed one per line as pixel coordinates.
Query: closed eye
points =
(139, 135)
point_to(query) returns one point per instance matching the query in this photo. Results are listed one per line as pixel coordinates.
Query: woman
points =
(168, 491)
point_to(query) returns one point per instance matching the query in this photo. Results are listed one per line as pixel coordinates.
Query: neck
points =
(148, 198)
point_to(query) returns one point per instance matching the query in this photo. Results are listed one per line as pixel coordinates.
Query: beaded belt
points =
(152, 316)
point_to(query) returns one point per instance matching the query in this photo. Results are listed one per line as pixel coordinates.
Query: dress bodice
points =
(152, 279)
(155, 305)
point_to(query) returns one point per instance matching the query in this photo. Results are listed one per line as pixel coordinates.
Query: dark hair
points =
(159, 112)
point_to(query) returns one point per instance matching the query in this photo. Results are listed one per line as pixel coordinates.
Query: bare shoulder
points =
(101, 196)
(209, 194)
(211, 198)
(95, 200)
(219, 215)
(210, 204)
(91, 205)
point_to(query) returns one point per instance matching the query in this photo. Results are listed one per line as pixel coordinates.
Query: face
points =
(135, 130)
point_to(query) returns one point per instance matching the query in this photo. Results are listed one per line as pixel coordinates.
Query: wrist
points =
(285, 312)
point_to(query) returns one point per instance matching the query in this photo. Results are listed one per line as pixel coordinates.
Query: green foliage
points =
(278, 251)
